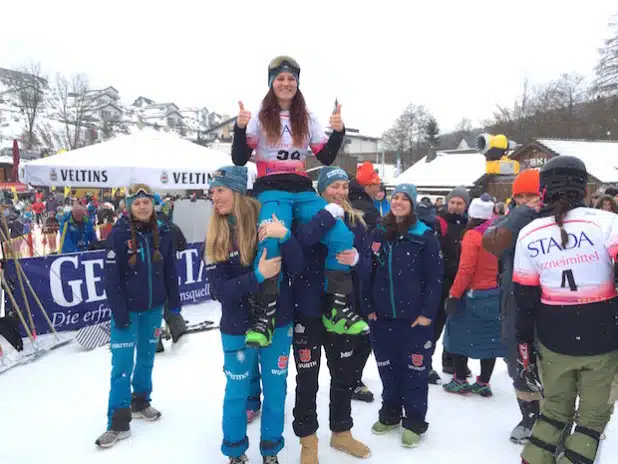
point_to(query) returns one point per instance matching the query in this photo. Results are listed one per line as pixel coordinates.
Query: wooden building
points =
(600, 158)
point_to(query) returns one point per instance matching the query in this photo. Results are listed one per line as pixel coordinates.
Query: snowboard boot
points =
(380, 428)
(263, 309)
(362, 393)
(337, 316)
(239, 460)
(434, 378)
(270, 459)
(344, 441)
(141, 409)
(529, 412)
(176, 324)
(481, 388)
(409, 439)
(461, 387)
(119, 429)
(309, 449)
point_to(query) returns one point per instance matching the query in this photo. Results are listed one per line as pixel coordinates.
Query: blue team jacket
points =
(405, 277)
(150, 283)
(231, 283)
(78, 234)
(306, 291)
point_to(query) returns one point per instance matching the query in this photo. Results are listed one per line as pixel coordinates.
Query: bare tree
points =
(463, 127)
(74, 104)
(572, 90)
(30, 87)
(606, 83)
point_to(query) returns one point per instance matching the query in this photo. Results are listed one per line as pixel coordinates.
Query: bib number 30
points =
(283, 155)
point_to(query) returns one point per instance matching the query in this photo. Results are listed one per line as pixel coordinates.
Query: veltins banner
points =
(72, 291)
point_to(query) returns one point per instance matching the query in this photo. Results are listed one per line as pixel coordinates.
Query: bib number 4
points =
(568, 279)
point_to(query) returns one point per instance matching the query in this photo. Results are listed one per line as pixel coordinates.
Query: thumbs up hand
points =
(336, 122)
(243, 116)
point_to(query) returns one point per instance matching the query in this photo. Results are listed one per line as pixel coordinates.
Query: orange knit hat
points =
(366, 174)
(526, 182)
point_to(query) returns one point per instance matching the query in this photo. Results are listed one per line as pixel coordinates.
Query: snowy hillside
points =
(54, 408)
(105, 115)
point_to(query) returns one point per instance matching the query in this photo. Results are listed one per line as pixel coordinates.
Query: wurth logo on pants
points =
(346, 354)
(282, 363)
(383, 363)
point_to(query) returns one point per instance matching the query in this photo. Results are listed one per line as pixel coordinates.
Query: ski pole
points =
(20, 270)
(7, 289)
(21, 281)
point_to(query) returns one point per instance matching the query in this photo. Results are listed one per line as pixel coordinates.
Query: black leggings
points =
(461, 367)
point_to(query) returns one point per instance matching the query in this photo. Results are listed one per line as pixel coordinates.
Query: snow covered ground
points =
(53, 409)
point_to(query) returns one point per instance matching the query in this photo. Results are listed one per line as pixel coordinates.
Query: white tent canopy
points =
(162, 161)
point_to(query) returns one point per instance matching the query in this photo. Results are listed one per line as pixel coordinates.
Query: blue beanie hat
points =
(232, 177)
(330, 174)
(408, 190)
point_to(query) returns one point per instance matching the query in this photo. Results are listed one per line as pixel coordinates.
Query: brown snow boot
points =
(309, 449)
(344, 441)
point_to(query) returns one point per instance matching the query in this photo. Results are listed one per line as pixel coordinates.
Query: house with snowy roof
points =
(599, 156)
(105, 104)
(162, 114)
(452, 168)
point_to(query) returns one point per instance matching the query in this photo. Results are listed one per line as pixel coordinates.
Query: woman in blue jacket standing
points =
(346, 354)
(140, 275)
(402, 295)
(231, 245)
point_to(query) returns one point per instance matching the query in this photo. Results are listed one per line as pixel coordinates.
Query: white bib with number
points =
(283, 156)
(580, 272)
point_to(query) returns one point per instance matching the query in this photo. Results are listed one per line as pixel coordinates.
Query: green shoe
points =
(481, 388)
(380, 429)
(457, 386)
(260, 335)
(409, 439)
(345, 322)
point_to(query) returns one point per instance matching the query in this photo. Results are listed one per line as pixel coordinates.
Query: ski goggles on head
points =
(283, 61)
(137, 191)
(280, 65)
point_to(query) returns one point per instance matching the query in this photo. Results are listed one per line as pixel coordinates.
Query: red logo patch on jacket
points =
(417, 360)
(304, 355)
(375, 247)
(157, 333)
(130, 245)
(282, 362)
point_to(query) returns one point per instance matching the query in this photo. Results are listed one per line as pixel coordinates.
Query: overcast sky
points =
(457, 58)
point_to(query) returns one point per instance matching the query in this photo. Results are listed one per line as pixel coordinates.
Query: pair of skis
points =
(97, 335)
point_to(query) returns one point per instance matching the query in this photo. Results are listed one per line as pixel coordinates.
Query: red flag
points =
(15, 171)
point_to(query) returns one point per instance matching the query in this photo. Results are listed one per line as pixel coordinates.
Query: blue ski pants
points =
(133, 352)
(403, 355)
(302, 207)
(239, 365)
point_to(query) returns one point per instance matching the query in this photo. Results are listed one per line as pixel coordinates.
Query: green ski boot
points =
(409, 439)
(380, 429)
(264, 308)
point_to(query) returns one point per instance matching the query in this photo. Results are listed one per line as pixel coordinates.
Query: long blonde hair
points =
(354, 215)
(220, 240)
